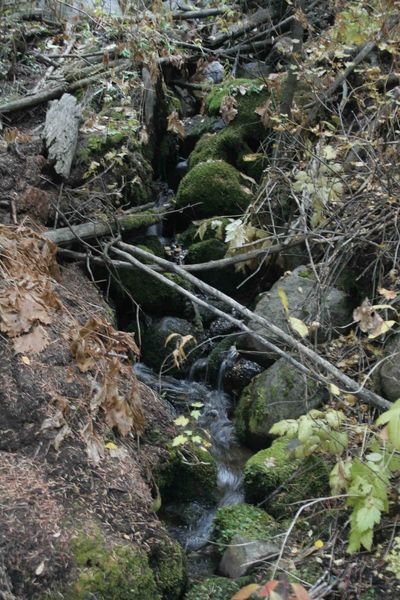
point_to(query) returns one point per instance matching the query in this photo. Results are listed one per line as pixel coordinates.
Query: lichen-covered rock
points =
(213, 588)
(279, 392)
(333, 312)
(188, 475)
(390, 370)
(296, 479)
(213, 188)
(242, 519)
(155, 351)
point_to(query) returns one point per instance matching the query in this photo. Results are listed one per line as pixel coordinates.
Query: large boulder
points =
(390, 370)
(280, 392)
(331, 310)
(213, 188)
(275, 472)
(157, 351)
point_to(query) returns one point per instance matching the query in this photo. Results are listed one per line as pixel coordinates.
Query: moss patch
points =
(188, 476)
(119, 573)
(168, 564)
(274, 467)
(245, 520)
(213, 588)
(212, 188)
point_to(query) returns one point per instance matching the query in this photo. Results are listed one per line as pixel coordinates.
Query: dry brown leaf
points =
(26, 360)
(228, 109)
(387, 294)
(367, 317)
(94, 447)
(265, 112)
(64, 432)
(32, 342)
(175, 125)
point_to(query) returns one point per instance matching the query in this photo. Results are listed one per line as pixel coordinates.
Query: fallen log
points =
(126, 251)
(261, 16)
(61, 132)
(101, 227)
(198, 14)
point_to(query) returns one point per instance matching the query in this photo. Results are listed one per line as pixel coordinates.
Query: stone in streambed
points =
(390, 370)
(280, 392)
(155, 351)
(275, 468)
(244, 554)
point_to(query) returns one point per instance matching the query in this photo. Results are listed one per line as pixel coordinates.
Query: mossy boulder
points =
(280, 392)
(245, 520)
(121, 572)
(155, 352)
(168, 563)
(249, 95)
(150, 294)
(213, 188)
(213, 588)
(225, 279)
(275, 468)
(188, 476)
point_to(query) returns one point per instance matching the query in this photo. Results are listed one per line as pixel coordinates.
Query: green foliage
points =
(191, 436)
(242, 519)
(393, 558)
(213, 588)
(364, 480)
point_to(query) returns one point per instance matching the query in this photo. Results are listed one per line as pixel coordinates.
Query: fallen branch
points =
(198, 14)
(126, 251)
(95, 229)
(260, 17)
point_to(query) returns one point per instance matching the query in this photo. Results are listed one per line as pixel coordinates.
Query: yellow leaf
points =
(384, 327)
(25, 360)
(252, 157)
(298, 326)
(387, 294)
(181, 421)
(334, 390)
(318, 544)
(284, 299)
(111, 446)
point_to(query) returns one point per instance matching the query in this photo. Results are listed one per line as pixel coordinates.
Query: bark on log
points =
(260, 17)
(61, 132)
(95, 229)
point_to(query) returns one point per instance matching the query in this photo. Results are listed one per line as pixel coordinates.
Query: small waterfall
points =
(228, 362)
(225, 449)
(163, 199)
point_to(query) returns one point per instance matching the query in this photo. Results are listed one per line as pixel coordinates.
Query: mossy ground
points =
(213, 588)
(275, 468)
(213, 188)
(243, 519)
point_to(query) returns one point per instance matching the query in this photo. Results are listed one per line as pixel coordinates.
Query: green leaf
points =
(284, 300)
(195, 414)
(197, 404)
(179, 440)
(181, 421)
(289, 428)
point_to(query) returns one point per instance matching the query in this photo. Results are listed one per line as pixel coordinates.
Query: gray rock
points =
(254, 70)
(280, 392)
(243, 554)
(215, 71)
(390, 370)
(332, 312)
(154, 352)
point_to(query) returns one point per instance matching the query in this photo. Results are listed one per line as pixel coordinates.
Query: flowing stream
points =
(230, 457)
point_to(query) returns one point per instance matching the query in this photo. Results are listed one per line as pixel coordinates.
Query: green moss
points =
(275, 468)
(119, 573)
(151, 295)
(245, 520)
(247, 123)
(225, 145)
(212, 188)
(188, 476)
(169, 567)
(205, 251)
(213, 588)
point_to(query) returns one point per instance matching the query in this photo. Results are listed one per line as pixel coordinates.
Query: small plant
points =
(191, 434)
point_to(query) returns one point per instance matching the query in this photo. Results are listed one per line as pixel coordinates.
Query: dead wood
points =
(126, 251)
(198, 14)
(261, 16)
(61, 132)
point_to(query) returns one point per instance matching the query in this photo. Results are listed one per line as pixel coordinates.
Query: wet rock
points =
(154, 351)
(279, 392)
(332, 313)
(221, 326)
(212, 188)
(216, 357)
(240, 374)
(197, 126)
(275, 470)
(390, 370)
(244, 554)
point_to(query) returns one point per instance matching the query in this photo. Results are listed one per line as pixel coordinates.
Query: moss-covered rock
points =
(168, 563)
(277, 393)
(249, 95)
(242, 519)
(225, 279)
(205, 251)
(155, 352)
(213, 188)
(213, 588)
(275, 468)
(188, 476)
(149, 293)
(118, 573)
